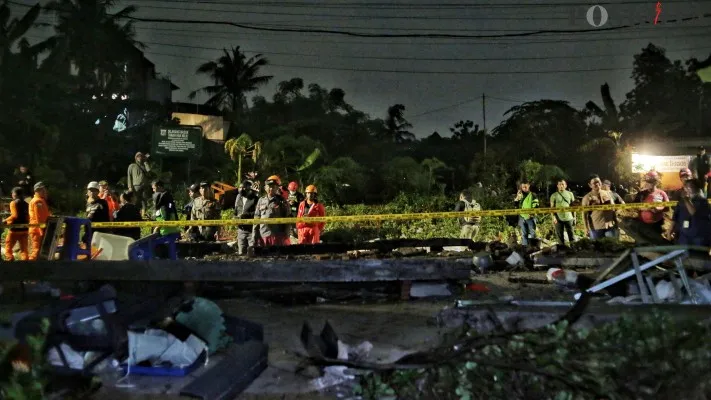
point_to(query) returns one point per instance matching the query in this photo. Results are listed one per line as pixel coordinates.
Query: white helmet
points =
(93, 185)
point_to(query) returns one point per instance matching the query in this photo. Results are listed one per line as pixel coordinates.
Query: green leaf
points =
(310, 160)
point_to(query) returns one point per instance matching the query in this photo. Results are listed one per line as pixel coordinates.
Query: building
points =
(214, 126)
(666, 157)
(145, 83)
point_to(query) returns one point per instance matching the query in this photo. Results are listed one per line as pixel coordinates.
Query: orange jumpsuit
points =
(310, 233)
(113, 205)
(39, 213)
(19, 214)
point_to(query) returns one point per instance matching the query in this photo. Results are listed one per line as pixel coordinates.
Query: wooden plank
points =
(574, 261)
(363, 270)
(383, 246)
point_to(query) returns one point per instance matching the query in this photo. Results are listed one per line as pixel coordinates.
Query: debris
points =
(515, 259)
(423, 289)
(478, 287)
(204, 317)
(483, 261)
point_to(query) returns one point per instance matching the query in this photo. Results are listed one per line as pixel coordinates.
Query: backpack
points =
(471, 206)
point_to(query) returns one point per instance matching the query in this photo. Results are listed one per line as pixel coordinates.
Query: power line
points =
(461, 103)
(414, 58)
(398, 6)
(396, 35)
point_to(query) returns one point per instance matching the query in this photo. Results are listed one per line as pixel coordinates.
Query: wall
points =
(213, 127)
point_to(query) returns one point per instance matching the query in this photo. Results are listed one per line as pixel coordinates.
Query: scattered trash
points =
(162, 353)
(422, 289)
(514, 259)
(483, 261)
(478, 287)
(563, 278)
(204, 317)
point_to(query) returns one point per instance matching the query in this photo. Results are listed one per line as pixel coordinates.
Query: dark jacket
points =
(294, 201)
(128, 213)
(246, 210)
(28, 178)
(274, 207)
(700, 165)
(20, 214)
(97, 210)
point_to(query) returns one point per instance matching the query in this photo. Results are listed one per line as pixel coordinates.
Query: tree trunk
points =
(239, 169)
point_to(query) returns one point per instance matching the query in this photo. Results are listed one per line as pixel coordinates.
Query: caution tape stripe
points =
(370, 218)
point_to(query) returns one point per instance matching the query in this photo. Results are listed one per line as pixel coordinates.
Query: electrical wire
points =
(461, 103)
(397, 35)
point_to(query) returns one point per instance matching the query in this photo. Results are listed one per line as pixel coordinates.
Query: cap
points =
(138, 154)
(39, 185)
(701, 148)
(194, 187)
(103, 183)
(607, 182)
(246, 184)
(93, 185)
(204, 184)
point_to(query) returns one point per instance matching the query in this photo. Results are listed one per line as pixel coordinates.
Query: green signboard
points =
(184, 141)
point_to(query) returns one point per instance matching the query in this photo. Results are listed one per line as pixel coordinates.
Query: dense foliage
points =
(644, 356)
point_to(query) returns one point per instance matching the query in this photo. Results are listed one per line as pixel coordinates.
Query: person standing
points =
(526, 200)
(24, 179)
(310, 232)
(39, 214)
(105, 193)
(245, 206)
(19, 215)
(139, 180)
(128, 212)
(648, 226)
(607, 185)
(700, 167)
(563, 221)
(166, 210)
(97, 209)
(272, 205)
(469, 225)
(599, 223)
(691, 223)
(205, 209)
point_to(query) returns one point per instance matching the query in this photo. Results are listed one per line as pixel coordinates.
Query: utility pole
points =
(483, 113)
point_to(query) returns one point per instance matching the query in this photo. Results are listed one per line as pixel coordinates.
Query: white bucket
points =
(113, 247)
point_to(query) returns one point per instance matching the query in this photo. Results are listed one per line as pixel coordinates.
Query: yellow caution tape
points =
(371, 218)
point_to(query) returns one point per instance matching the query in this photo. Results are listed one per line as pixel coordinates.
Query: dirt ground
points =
(389, 324)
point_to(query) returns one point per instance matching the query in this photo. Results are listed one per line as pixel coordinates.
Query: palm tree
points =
(96, 43)
(12, 30)
(396, 126)
(233, 76)
(243, 146)
(609, 120)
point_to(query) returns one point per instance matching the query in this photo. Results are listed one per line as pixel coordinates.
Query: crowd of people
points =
(144, 194)
(689, 224)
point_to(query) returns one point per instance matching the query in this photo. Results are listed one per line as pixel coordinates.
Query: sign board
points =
(184, 141)
(642, 163)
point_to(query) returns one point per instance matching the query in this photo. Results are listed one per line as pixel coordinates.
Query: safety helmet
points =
(93, 185)
(273, 180)
(651, 176)
(311, 189)
(293, 186)
(684, 173)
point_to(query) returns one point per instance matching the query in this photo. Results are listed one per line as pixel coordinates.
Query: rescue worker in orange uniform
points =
(310, 233)
(39, 213)
(105, 193)
(19, 215)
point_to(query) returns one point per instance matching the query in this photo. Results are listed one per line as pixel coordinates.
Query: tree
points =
(233, 76)
(396, 126)
(243, 146)
(547, 131)
(433, 165)
(13, 30)
(343, 181)
(404, 175)
(97, 44)
(605, 134)
(463, 130)
(665, 98)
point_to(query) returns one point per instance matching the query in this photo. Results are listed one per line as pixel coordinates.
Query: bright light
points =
(642, 163)
(93, 97)
(114, 96)
(124, 97)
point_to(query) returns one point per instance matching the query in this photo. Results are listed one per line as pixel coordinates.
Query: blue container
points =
(70, 249)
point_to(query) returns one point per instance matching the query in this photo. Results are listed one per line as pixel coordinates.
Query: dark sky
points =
(452, 73)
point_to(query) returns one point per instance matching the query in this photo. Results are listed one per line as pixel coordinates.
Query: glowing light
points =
(114, 96)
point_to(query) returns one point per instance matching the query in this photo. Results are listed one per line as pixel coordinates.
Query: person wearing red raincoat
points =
(310, 233)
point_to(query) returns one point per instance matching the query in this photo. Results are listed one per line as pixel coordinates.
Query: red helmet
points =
(651, 176)
(685, 173)
(293, 186)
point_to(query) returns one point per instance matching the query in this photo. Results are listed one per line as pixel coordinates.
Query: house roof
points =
(192, 108)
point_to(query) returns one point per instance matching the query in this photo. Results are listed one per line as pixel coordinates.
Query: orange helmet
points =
(293, 186)
(274, 179)
(311, 189)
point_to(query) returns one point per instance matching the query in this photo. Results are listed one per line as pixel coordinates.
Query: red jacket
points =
(314, 210)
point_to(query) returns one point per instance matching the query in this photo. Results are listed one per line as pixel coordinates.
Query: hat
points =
(138, 154)
(103, 183)
(93, 185)
(204, 184)
(194, 187)
(607, 182)
(701, 148)
(39, 185)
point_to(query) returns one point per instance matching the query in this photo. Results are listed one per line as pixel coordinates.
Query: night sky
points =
(452, 74)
